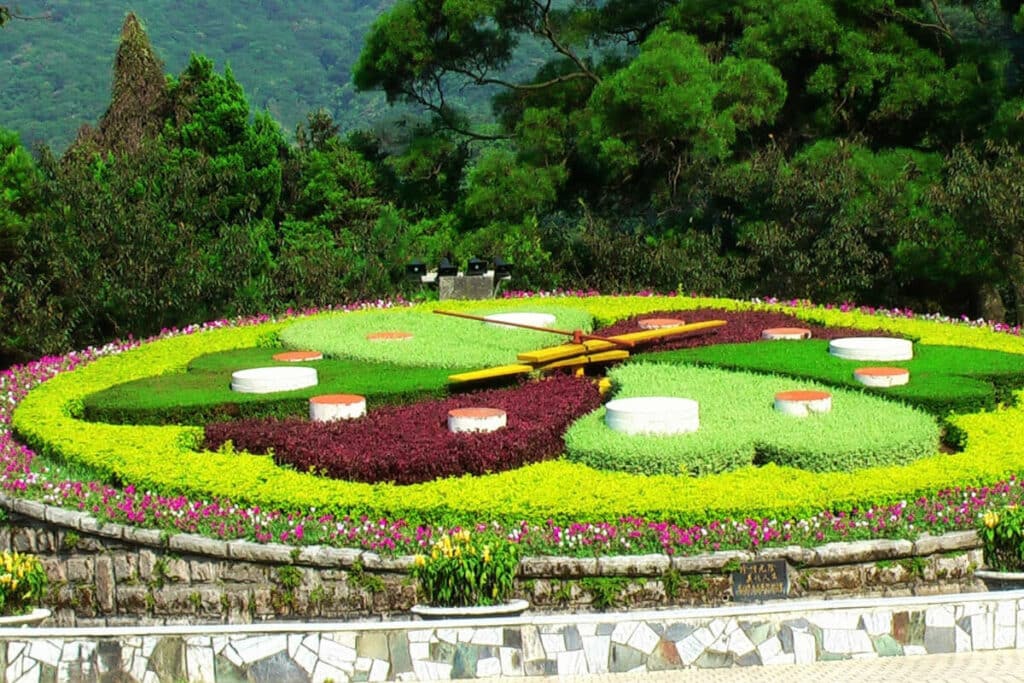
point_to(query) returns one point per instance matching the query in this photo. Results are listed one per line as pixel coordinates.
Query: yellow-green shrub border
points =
(160, 459)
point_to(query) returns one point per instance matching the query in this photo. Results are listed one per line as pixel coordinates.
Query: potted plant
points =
(467, 575)
(1002, 537)
(22, 584)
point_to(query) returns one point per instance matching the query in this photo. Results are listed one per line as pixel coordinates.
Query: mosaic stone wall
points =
(117, 575)
(419, 651)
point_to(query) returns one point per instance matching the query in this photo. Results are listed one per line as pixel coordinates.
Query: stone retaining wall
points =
(795, 632)
(112, 574)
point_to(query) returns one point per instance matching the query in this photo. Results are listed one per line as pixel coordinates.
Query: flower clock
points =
(153, 434)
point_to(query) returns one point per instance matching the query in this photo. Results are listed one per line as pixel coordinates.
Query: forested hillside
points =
(292, 57)
(834, 150)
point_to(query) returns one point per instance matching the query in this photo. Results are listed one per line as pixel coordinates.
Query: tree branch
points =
(549, 33)
(442, 112)
(483, 80)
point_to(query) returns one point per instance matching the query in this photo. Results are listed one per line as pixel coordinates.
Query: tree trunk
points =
(989, 304)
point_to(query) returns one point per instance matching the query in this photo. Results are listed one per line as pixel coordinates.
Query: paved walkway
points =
(970, 667)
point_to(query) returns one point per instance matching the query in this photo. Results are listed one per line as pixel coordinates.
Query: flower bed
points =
(739, 427)
(411, 444)
(588, 510)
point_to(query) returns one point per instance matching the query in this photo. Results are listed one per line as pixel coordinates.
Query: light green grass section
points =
(739, 426)
(438, 340)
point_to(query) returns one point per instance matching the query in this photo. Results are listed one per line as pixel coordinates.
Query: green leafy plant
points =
(1002, 536)
(466, 569)
(22, 582)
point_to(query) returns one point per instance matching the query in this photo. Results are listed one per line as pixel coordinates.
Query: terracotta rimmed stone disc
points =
(663, 415)
(297, 356)
(801, 403)
(786, 333)
(659, 323)
(476, 419)
(882, 376)
(390, 335)
(327, 407)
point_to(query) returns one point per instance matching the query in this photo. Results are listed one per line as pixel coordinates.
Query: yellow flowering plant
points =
(1002, 535)
(464, 569)
(22, 582)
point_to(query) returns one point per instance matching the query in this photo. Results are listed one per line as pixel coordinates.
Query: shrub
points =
(1002, 537)
(465, 569)
(738, 427)
(22, 582)
(413, 444)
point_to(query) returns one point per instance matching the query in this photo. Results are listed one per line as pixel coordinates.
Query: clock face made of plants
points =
(208, 470)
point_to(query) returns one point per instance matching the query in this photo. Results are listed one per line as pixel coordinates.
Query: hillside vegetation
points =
(834, 150)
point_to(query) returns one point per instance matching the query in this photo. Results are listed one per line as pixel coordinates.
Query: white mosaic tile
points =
(255, 648)
(717, 627)
(876, 623)
(487, 636)
(982, 627)
(596, 650)
(431, 671)
(623, 631)
(940, 616)
(914, 650)
(294, 642)
(771, 653)
(738, 643)
(44, 651)
(379, 670)
(843, 642)
(692, 646)
(511, 661)
(447, 635)
(229, 653)
(644, 639)
(961, 640)
(312, 642)
(337, 655)
(15, 668)
(419, 651)
(1006, 626)
(837, 620)
(89, 649)
(14, 649)
(587, 629)
(553, 643)
(150, 677)
(969, 609)
(572, 663)
(465, 635)
(30, 675)
(199, 663)
(343, 638)
(325, 672)
(533, 649)
(804, 647)
(420, 636)
(305, 658)
(363, 664)
(71, 651)
(488, 667)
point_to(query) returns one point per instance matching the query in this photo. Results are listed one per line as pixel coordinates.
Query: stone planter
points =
(33, 618)
(512, 608)
(1000, 581)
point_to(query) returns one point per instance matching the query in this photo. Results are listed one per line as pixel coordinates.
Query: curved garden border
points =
(161, 457)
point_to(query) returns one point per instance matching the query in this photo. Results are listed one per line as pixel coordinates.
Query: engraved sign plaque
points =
(760, 580)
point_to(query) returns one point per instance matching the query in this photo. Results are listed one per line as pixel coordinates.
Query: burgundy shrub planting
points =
(412, 444)
(741, 326)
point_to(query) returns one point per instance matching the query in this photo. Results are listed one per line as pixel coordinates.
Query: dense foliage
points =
(739, 427)
(828, 149)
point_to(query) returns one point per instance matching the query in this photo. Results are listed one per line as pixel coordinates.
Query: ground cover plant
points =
(553, 506)
(438, 340)
(203, 393)
(739, 427)
(741, 326)
(944, 379)
(411, 444)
